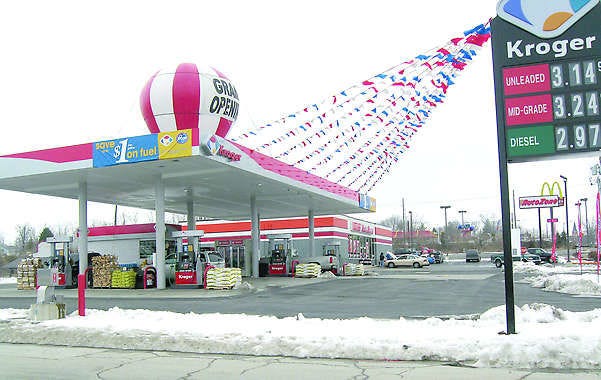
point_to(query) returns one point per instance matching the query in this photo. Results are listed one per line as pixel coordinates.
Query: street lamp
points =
(565, 202)
(445, 220)
(462, 212)
(586, 217)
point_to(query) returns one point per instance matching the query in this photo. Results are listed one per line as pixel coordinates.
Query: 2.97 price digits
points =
(578, 137)
(575, 74)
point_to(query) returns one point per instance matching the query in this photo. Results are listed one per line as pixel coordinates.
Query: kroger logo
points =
(213, 145)
(544, 18)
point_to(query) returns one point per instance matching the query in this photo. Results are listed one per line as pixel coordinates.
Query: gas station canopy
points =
(219, 177)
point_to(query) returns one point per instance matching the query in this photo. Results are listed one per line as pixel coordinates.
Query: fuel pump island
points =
(192, 261)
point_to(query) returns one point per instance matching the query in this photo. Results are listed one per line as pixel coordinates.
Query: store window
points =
(360, 249)
(148, 247)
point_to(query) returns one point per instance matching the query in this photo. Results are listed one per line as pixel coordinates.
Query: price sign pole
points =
(547, 73)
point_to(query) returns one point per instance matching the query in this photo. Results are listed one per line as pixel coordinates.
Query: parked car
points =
(405, 260)
(498, 259)
(404, 251)
(544, 255)
(438, 257)
(472, 255)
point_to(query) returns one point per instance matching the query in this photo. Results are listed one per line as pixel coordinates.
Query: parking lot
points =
(453, 288)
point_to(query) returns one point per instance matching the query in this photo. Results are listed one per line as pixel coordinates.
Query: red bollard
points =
(81, 293)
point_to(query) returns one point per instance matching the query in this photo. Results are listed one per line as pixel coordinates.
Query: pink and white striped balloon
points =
(188, 97)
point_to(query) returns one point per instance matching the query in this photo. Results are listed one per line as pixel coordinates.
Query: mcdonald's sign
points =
(550, 191)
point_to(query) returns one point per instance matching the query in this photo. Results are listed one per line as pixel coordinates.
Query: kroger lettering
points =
(228, 154)
(559, 48)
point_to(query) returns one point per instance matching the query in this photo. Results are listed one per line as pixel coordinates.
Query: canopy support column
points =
(82, 246)
(191, 219)
(160, 231)
(255, 235)
(311, 233)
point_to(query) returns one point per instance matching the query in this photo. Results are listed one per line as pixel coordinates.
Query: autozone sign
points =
(541, 201)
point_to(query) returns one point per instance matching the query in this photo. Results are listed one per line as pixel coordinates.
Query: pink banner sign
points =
(529, 110)
(526, 79)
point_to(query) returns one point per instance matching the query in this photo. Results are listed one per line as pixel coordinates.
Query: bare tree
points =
(26, 238)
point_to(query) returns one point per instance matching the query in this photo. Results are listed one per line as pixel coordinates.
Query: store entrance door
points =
(234, 257)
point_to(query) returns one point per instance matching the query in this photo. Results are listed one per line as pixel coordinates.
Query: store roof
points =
(218, 176)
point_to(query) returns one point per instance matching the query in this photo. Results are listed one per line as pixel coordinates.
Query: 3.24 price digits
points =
(577, 137)
(576, 105)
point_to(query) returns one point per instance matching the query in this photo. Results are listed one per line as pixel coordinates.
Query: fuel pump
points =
(56, 252)
(188, 266)
(280, 248)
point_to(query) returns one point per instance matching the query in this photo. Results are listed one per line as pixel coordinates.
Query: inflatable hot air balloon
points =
(190, 97)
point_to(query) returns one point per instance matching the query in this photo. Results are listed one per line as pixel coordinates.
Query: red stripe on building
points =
(267, 225)
(383, 232)
(125, 229)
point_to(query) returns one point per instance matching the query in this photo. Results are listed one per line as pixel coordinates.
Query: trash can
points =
(263, 269)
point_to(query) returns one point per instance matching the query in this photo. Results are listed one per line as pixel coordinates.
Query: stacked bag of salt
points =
(307, 270)
(223, 278)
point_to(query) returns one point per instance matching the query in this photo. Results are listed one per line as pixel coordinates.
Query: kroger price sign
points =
(547, 67)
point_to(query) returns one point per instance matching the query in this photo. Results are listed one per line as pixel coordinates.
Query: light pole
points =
(565, 201)
(462, 212)
(446, 232)
(410, 229)
(585, 217)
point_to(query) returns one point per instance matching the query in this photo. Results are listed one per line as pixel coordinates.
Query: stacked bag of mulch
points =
(123, 278)
(307, 270)
(27, 272)
(102, 270)
(354, 269)
(223, 278)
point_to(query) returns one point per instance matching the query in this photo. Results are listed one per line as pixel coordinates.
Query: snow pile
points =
(547, 337)
(560, 278)
(8, 280)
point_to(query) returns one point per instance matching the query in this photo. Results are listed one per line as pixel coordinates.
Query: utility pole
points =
(404, 225)
(410, 229)
(565, 201)
(446, 232)
(586, 218)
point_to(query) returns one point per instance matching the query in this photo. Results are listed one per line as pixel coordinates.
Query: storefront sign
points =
(361, 228)
(541, 201)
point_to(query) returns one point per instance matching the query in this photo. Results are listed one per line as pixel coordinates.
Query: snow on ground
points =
(8, 280)
(562, 278)
(547, 337)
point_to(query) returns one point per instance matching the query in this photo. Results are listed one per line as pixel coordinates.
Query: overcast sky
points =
(72, 73)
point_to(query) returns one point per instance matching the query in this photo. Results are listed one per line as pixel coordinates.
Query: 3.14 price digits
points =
(577, 74)
(578, 137)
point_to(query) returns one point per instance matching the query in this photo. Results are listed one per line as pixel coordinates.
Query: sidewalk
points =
(59, 362)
